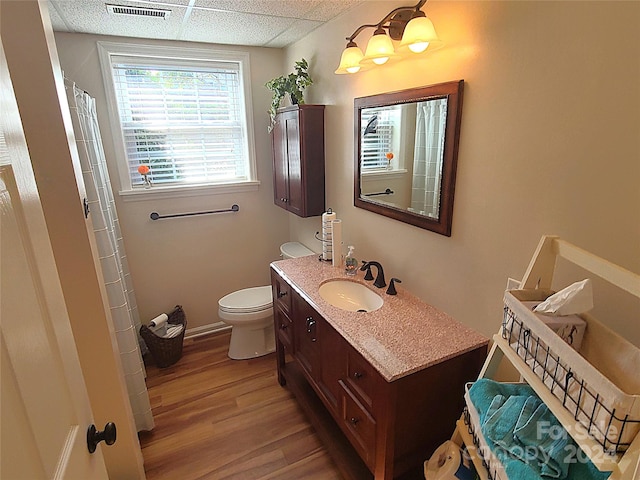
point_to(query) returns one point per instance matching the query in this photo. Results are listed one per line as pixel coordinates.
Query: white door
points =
(44, 408)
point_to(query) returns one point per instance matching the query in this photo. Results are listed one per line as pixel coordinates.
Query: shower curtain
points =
(113, 259)
(431, 118)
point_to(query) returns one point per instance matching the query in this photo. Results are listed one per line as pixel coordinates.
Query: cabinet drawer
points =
(281, 293)
(362, 378)
(283, 327)
(360, 425)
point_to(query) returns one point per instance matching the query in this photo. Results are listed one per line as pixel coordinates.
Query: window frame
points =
(108, 50)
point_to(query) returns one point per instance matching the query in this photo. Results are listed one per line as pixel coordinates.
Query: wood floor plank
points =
(218, 418)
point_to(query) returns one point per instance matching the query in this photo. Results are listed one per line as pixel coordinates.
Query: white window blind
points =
(378, 139)
(184, 120)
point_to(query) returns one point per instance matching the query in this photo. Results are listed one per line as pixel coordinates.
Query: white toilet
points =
(250, 314)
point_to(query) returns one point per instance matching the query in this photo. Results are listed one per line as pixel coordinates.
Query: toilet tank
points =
(294, 250)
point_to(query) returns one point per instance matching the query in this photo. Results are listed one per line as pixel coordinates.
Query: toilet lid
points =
(248, 300)
(294, 250)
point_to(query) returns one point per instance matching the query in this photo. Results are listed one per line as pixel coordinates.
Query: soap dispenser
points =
(350, 262)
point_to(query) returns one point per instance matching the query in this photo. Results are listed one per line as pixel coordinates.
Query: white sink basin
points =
(350, 296)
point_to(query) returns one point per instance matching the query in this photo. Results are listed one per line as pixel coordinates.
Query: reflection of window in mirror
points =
(381, 127)
(386, 154)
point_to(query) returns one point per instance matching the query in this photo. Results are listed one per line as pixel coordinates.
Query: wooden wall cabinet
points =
(298, 160)
(392, 426)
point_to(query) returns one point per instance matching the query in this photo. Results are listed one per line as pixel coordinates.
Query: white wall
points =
(549, 145)
(192, 261)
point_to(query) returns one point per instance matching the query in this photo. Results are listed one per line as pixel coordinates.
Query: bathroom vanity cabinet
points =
(393, 426)
(298, 159)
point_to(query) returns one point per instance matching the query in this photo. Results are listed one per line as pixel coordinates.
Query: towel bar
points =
(157, 216)
(388, 191)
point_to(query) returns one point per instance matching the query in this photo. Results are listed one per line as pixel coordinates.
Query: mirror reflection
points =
(406, 152)
(401, 153)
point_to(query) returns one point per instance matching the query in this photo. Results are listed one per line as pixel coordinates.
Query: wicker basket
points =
(166, 351)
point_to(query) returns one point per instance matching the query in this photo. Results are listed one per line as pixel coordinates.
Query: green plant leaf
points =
(293, 84)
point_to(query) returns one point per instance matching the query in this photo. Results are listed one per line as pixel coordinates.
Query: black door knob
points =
(94, 437)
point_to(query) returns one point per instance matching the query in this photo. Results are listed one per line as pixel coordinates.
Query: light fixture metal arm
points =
(387, 18)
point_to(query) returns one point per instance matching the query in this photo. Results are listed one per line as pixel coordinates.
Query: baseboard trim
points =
(206, 329)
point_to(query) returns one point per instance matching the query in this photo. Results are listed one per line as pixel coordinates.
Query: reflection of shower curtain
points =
(427, 163)
(113, 260)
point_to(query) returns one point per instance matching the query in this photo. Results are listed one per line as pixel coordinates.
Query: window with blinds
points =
(184, 119)
(377, 134)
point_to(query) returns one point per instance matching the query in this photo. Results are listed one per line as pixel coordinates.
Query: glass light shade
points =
(419, 35)
(379, 49)
(350, 60)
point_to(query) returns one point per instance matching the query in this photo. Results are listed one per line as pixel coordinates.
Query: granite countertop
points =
(403, 336)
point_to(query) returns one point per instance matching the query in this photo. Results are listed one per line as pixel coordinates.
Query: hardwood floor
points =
(218, 418)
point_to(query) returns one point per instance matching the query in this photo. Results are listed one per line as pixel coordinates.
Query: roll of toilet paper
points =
(159, 321)
(449, 463)
(327, 234)
(336, 243)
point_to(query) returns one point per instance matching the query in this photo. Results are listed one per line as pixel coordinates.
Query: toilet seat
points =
(248, 300)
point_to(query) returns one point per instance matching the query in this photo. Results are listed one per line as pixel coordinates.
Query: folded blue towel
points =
(516, 427)
(533, 433)
(501, 419)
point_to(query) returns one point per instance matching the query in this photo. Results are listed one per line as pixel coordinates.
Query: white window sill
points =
(385, 173)
(175, 191)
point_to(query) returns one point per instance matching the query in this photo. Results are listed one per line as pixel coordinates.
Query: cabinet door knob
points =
(282, 294)
(354, 421)
(357, 375)
(283, 326)
(310, 324)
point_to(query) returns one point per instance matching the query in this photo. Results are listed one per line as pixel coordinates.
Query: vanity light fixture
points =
(409, 25)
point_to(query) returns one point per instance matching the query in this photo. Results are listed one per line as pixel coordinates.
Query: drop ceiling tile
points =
(233, 28)
(158, 3)
(295, 32)
(277, 8)
(90, 16)
(327, 10)
(276, 23)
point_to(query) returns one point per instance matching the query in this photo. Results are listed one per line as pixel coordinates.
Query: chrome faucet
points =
(379, 282)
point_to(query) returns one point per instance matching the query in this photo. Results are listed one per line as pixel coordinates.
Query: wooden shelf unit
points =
(539, 274)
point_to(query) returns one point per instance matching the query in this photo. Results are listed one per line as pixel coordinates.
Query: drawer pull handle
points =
(282, 294)
(354, 421)
(283, 326)
(358, 375)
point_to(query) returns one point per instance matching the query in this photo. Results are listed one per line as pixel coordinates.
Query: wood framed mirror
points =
(406, 153)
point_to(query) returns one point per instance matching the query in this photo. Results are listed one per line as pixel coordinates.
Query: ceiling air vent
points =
(137, 11)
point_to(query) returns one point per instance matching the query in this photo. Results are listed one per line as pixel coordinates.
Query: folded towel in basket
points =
(538, 430)
(512, 423)
(525, 436)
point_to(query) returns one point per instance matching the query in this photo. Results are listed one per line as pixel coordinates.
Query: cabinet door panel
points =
(295, 197)
(333, 360)
(280, 164)
(306, 336)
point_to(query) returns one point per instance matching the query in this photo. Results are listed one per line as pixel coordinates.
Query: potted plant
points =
(292, 84)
